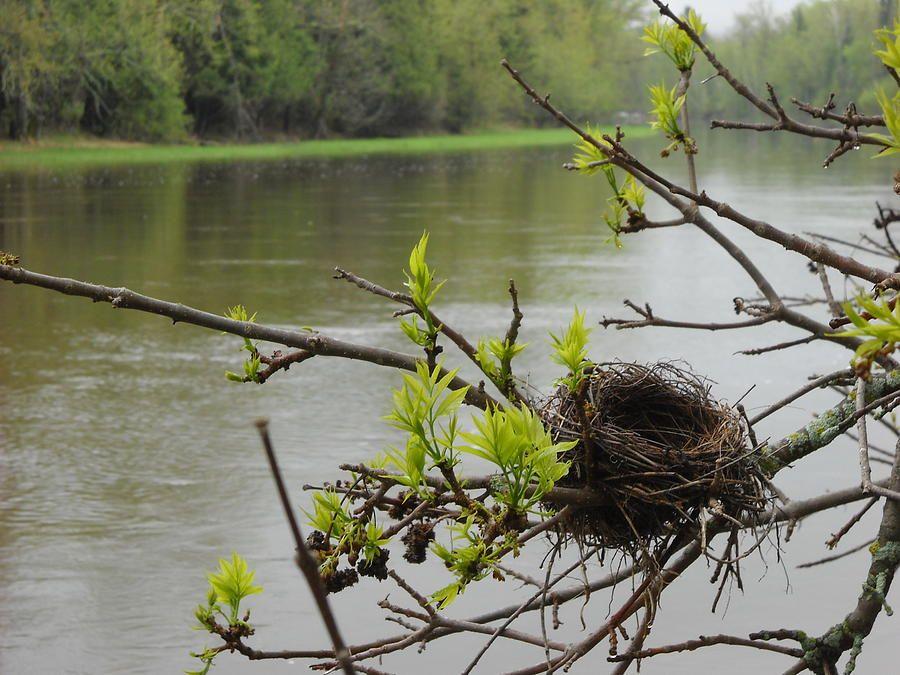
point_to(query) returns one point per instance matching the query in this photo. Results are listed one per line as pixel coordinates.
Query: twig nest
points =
(657, 447)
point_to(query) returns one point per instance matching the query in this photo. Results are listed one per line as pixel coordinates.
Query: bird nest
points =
(657, 449)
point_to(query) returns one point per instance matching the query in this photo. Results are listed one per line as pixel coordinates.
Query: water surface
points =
(128, 464)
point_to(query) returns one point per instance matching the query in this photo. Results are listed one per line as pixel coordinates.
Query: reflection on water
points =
(128, 464)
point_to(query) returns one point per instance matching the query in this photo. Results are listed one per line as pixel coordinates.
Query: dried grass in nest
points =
(659, 448)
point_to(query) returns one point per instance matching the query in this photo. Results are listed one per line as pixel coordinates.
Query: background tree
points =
(247, 68)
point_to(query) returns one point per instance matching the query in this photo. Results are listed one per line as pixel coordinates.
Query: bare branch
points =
(709, 641)
(305, 560)
(314, 343)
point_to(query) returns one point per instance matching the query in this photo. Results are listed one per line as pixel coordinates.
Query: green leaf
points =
(890, 40)
(883, 329)
(589, 159)
(425, 408)
(570, 348)
(890, 109)
(328, 514)
(233, 582)
(666, 107)
(516, 441)
(667, 38)
(445, 596)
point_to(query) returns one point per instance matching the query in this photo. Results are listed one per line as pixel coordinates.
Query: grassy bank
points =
(74, 152)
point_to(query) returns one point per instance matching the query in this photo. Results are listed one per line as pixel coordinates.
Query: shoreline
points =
(79, 151)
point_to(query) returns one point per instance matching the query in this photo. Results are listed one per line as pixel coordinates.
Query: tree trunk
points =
(18, 128)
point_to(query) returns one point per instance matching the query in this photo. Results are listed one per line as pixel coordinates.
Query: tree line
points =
(166, 70)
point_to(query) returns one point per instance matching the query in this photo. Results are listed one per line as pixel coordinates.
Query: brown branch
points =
(652, 583)
(757, 351)
(833, 305)
(664, 189)
(622, 324)
(542, 590)
(772, 109)
(642, 224)
(279, 361)
(315, 343)
(865, 468)
(850, 120)
(557, 495)
(305, 560)
(708, 641)
(726, 74)
(512, 333)
(452, 334)
(817, 383)
(836, 556)
(814, 251)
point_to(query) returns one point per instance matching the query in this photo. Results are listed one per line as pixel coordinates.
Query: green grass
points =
(76, 152)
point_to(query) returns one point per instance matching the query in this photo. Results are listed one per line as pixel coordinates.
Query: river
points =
(128, 464)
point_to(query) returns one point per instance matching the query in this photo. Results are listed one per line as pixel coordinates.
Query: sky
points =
(719, 14)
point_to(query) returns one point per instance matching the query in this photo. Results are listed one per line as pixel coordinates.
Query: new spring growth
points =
(883, 331)
(890, 110)
(627, 200)
(570, 350)
(513, 440)
(665, 108)
(328, 515)
(228, 586)
(667, 38)
(422, 290)
(625, 204)
(251, 365)
(469, 557)
(516, 442)
(495, 359)
(890, 106)
(426, 409)
(890, 41)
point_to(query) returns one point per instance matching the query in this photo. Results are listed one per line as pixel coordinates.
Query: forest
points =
(173, 70)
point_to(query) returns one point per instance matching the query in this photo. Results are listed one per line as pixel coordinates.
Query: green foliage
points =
(669, 39)
(882, 336)
(626, 203)
(329, 515)
(890, 108)
(570, 350)
(516, 442)
(666, 107)
(374, 540)
(589, 159)
(627, 200)
(231, 583)
(422, 289)
(149, 68)
(251, 365)
(206, 657)
(470, 562)
(495, 358)
(425, 408)
(420, 277)
(107, 67)
(890, 40)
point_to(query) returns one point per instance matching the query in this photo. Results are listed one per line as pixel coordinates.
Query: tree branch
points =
(315, 343)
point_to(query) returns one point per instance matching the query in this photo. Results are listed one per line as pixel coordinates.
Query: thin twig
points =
(305, 560)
